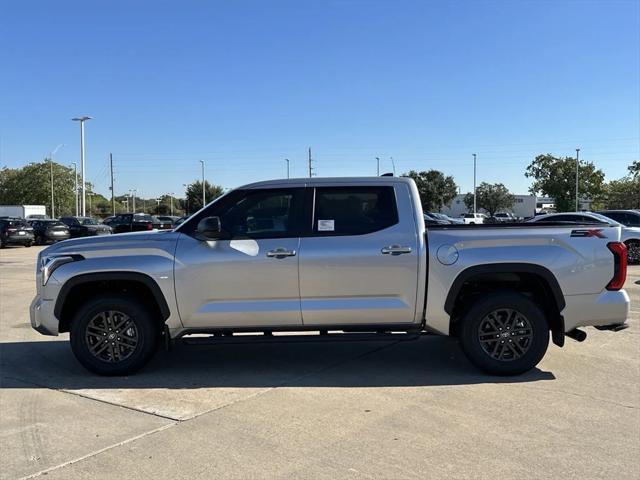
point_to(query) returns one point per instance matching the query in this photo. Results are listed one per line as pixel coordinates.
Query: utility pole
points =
(475, 206)
(287, 160)
(204, 200)
(171, 199)
(378, 165)
(75, 178)
(133, 196)
(113, 197)
(82, 120)
(51, 169)
(310, 167)
(577, 168)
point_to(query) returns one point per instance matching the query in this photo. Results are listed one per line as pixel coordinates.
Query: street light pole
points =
(82, 120)
(287, 160)
(133, 196)
(393, 165)
(577, 168)
(204, 200)
(378, 165)
(475, 205)
(171, 199)
(75, 178)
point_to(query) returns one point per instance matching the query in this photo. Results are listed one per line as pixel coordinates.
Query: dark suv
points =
(15, 231)
(49, 231)
(85, 227)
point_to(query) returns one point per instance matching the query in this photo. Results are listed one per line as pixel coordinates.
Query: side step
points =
(269, 337)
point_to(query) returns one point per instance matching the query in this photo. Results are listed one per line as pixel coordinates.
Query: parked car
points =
(137, 222)
(108, 220)
(432, 219)
(15, 231)
(628, 218)
(630, 236)
(505, 217)
(473, 218)
(85, 227)
(48, 231)
(331, 254)
(180, 220)
(167, 219)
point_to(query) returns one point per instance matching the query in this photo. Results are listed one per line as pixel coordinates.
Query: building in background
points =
(524, 206)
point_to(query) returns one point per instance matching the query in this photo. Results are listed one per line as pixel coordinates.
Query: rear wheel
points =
(28, 244)
(113, 335)
(633, 252)
(504, 334)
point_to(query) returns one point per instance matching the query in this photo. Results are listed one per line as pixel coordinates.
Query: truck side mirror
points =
(209, 228)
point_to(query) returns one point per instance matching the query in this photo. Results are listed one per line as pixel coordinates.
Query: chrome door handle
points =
(395, 250)
(281, 253)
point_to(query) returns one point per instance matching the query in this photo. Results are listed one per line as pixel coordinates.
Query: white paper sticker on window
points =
(326, 225)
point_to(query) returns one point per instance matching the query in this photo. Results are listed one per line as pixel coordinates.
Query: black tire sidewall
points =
(471, 345)
(148, 334)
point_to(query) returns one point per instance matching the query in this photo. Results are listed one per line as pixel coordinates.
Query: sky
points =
(244, 84)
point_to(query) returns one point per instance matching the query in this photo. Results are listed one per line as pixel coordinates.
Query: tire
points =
(28, 244)
(102, 316)
(519, 326)
(633, 252)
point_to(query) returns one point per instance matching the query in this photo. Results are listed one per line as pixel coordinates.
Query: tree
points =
(634, 169)
(556, 177)
(31, 185)
(491, 198)
(436, 189)
(193, 194)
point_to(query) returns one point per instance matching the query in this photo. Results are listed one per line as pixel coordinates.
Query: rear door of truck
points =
(359, 256)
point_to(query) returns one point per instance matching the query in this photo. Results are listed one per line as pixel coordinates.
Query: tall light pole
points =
(287, 160)
(186, 194)
(133, 196)
(82, 120)
(51, 154)
(475, 205)
(378, 165)
(577, 168)
(171, 199)
(75, 178)
(204, 200)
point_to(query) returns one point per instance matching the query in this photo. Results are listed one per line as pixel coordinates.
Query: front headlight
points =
(49, 263)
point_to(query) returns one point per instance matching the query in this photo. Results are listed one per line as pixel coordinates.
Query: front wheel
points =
(504, 334)
(633, 252)
(113, 335)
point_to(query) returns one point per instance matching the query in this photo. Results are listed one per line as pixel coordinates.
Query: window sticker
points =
(326, 225)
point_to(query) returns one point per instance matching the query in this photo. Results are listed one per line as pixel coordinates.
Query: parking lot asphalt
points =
(358, 410)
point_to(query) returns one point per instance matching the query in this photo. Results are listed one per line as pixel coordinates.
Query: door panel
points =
(233, 283)
(347, 279)
(249, 278)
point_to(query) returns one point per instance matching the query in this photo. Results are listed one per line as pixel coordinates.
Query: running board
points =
(268, 337)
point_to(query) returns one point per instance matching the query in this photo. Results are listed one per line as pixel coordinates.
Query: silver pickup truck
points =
(338, 256)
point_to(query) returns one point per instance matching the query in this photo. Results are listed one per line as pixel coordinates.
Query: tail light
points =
(149, 226)
(619, 251)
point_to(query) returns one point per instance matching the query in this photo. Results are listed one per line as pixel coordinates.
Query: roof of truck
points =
(328, 181)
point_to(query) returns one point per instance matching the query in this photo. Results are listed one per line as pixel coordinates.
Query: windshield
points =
(87, 221)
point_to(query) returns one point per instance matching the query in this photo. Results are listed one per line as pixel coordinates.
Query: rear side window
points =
(353, 210)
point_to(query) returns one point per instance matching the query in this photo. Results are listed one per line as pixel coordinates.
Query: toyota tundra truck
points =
(327, 258)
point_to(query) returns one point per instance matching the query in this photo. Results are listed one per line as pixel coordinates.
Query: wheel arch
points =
(536, 280)
(79, 287)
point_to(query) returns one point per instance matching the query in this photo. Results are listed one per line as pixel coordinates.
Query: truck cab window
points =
(354, 210)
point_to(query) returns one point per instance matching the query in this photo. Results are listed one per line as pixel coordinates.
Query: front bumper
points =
(600, 310)
(42, 318)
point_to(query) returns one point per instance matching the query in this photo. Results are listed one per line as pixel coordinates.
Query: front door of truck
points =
(248, 278)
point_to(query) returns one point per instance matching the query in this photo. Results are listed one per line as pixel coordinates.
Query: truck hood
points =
(127, 243)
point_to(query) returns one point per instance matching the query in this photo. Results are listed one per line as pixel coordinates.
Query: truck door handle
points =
(281, 253)
(395, 250)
